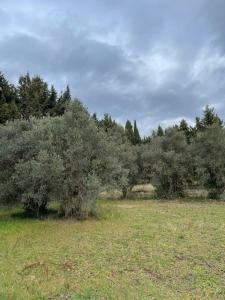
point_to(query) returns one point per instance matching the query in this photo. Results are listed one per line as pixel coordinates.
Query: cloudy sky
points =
(156, 61)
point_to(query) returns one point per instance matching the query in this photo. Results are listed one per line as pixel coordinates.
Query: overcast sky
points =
(156, 61)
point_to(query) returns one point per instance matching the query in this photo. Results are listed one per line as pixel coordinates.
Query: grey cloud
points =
(134, 59)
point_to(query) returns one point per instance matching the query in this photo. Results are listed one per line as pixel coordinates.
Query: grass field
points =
(136, 250)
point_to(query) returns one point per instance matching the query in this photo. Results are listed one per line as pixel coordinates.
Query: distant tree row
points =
(174, 158)
(31, 97)
(182, 157)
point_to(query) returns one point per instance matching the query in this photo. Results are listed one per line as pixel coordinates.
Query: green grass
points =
(136, 250)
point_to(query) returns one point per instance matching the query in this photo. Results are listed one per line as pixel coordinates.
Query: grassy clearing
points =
(137, 250)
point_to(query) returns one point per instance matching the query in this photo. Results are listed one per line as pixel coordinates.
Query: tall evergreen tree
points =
(95, 118)
(137, 138)
(186, 129)
(153, 134)
(129, 132)
(8, 101)
(33, 95)
(63, 101)
(160, 131)
(51, 102)
(210, 117)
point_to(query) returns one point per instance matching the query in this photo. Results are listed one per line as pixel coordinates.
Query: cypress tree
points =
(184, 127)
(51, 102)
(63, 101)
(129, 132)
(160, 131)
(137, 138)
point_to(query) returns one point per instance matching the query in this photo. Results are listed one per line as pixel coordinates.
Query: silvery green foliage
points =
(39, 180)
(29, 166)
(166, 159)
(209, 152)
(127, 159)
(16, 143)
(89, 161)
(145, 163)
(66, 158)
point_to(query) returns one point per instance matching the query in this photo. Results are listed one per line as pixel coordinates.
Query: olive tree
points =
(65, 158)
(126, 155)
(88, 159)
(39, 181)
(166, 159)
(29, 168)
(209, 152)
(16, 143)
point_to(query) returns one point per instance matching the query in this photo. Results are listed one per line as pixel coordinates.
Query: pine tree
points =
(63, 101)
(137, 138)
(51, 102)
(129, 132)
(160, 131)
(95, 118)
(210, 117)
(8, 101)
(33, 94)
(198, 125)
(154, 134)
(184, 127)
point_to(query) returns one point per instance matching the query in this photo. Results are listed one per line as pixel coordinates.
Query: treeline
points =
(51, 148)
(178, 157)
(30, 97)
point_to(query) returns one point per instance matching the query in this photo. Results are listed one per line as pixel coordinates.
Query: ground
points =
(136, 250)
